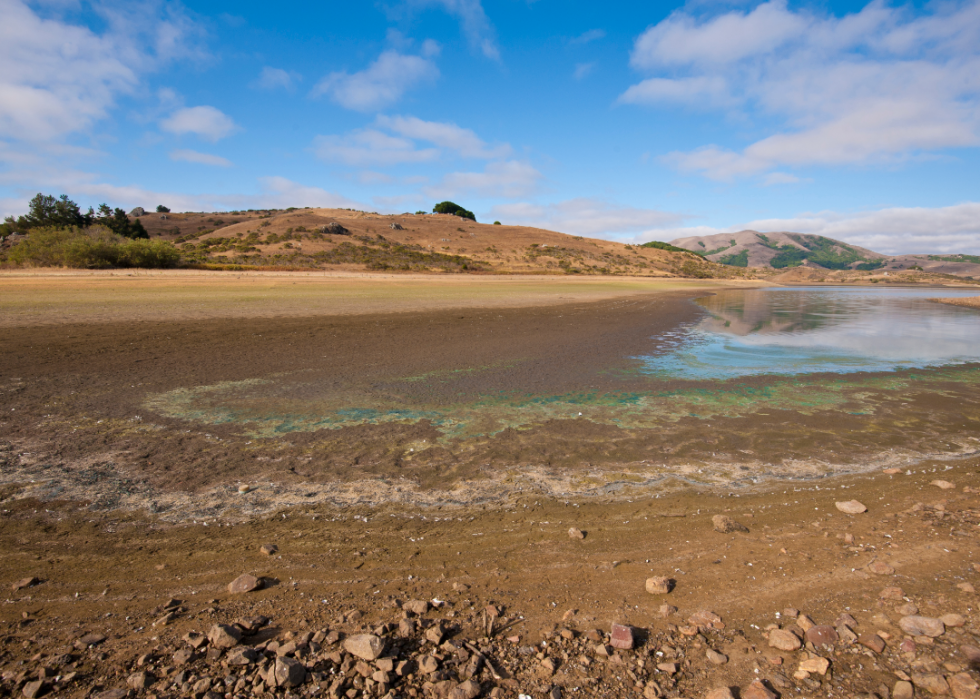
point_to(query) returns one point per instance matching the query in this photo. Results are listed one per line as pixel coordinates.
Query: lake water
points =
(819, 329)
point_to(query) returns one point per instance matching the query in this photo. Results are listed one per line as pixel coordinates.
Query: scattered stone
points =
(434, 634)
(851, 507)
(822, 636)
(931, 682)
(112, 694)
(963, 686)
(224, 636)
(757, 690)
(953, 620)
(966, 587)
(720, 693)
(33, 689)
(972, 655)
(781, 639)
(922, 626)
(669, 668)
(892, 471)
(716, 658)
(575, 533)
(944, 485)
(24, 583)
(242, 656)
(183, 656)
(903, 690)
(804, 622)
(873, 642)
(892, 593)
(91, 639)
(139, 681)
(621, 637)
(417, 607)
(726, 525)
(881, 568)
(471, 690)
(428, 665)
(818, 665)
(366, 646)
(244, 488)
(706, 620)
(289, 672)
(244, 583)
(666, 610)
(334, 228)
(269, 549)
(659, 585)
(396, 227)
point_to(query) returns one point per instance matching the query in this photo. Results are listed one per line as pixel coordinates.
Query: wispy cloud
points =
(583, 70)
(276, 79)
(584, 216)
(878, 85)
(207, 122)
(473, 20)
(509, 179)
(380, 85)
(589, 36)
(192, 156)
(444, 135)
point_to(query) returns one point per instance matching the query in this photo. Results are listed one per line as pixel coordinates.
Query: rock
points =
(112, 694)
(469, 690)
(289, 672)
(892, 593)
(396, 227)
(183, 656)
(137, 212)
(922, 626)
(139, 681)
(903, 690)
(416, 606)
(195, 639)
(334, 228)
(963, 686)
(907, 646)
(242, 656)
(669, 668)
(366, 646)
(781, 639)
(953, 620)
(24, 582)
(224, 636)
(575, 533)
(804, 622)
(719, 693)
(818, 665)
(757, 690)
(931, 682)
(666, 610)
(244, 583)
(965, 587)
(91, 639)
(892, 471)
(881, 568)
(706, 620)
(33, 689)
(434, 634)
(972, 655)
(822, 636)
(269, 549)
(621, 637)
(659, 586)
(872, 641)
(716, 658)
(428, 664)
(726, 525)
(944, 485)
(851, 507)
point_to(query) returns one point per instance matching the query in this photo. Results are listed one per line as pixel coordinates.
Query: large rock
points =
(138, 211)
(822, 636)
(922, 626)
(575, 533)
(716, 658)
(659, 585)
(851, 507)
(727, 525)
(784, 640)
(465, 690)
(244, 583)
(289, 672)
(366, 646)
(963, 686)
(416, 606)
(621, 637)
(24, 582)
(903, 690)
(224, 636)
(931, 682)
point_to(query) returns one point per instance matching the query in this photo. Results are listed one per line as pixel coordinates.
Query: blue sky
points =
(630, 121)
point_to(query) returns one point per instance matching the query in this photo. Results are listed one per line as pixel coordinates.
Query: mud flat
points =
(970, 302)
(440, 449)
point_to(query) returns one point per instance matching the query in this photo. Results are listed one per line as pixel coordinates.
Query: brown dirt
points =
(971, 302)
(138, 507)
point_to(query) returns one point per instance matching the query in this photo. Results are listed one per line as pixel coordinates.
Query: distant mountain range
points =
(787, 250)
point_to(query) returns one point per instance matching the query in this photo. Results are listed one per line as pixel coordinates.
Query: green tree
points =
(448, 207)
(45, 210)
(161, 209)
(118, 222)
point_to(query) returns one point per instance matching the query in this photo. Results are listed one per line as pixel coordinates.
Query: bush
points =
(496, 223)
(90, 248)
(161, 209)
(448, 207)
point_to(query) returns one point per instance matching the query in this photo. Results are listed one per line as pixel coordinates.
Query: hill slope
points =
(784, 251)
(346, 239)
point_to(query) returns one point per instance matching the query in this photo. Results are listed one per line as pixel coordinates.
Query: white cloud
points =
(879, 85)
(381, 84)
(192, 156)
(583, 70)
(780, 178)
(891, 231)
(509, 179)
(583, 216)
(370, 147)
(443, 135)
(58, 78)
(589, 36)
(276, 78)
(207, 122)
(474, 21)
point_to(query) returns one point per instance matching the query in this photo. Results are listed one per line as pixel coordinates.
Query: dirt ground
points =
(126, 443)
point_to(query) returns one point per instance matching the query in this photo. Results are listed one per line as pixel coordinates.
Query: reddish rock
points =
(757, 690)
(659, 585)
(822, 636)
(872, 641)
(621, 637)
(881, 568)
(781, 639)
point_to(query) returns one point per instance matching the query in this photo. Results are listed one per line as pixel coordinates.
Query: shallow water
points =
(819, 329)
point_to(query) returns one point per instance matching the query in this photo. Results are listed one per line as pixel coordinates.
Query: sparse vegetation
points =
(94, 247)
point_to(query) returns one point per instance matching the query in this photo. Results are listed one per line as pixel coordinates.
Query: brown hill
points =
(357, 240)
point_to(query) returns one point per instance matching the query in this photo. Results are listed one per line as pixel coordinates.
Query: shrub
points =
(448, 207)
(496, 223)
(161, 209)
(91, 248)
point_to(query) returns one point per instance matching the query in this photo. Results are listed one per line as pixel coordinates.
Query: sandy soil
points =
(971, 302)
(132, 415)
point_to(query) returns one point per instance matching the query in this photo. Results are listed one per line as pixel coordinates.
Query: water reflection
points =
(807, 329)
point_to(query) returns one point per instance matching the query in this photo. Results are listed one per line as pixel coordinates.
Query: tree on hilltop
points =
(448, 207)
